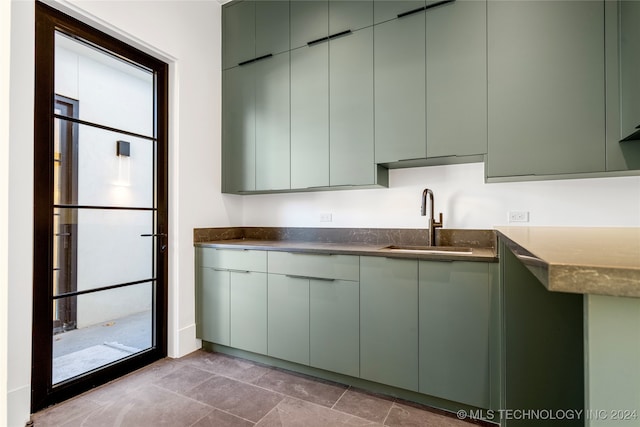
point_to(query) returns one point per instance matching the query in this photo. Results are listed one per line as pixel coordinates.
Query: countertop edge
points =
(577, 278)
(488, 255)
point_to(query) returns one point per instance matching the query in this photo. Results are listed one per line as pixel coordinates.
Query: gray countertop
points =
(584, 260)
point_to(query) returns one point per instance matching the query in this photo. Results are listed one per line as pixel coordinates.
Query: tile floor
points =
(211, 389)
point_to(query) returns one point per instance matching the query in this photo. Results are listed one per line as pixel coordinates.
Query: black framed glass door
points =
(100, 208)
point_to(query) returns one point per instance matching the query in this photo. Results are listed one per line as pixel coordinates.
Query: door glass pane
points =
(111, 325)
(108, 247)
(112, 169)
(113, 92)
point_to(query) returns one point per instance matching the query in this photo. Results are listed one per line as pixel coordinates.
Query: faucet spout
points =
(433, 224)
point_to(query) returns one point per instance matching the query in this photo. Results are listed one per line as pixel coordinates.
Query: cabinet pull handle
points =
(325, 39)
(411, 12)
(295, 276)
(316, 41)
(340, 34)
(231, 270)
(438, 3)
(260, 58)
(314, 253)
(420, 9)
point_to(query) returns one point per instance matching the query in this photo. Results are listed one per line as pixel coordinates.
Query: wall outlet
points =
(518, 216)
(326, 217)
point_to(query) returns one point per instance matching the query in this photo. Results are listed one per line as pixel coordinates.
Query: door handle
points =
(163, 245)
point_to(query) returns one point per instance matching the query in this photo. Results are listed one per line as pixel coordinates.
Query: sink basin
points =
(430, 249)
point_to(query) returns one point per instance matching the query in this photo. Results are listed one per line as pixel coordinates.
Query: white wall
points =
(5, 45)
(463, 197)
(20, 205)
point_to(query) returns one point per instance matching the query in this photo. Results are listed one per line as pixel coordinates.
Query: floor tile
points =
(71, 410)
(302, 387)
(298, 413)
(224, 365)
(238, 398)
(183, 378)
(365, 405)
(402, 415)
(107, 393)
(218, 418)
(146, 406)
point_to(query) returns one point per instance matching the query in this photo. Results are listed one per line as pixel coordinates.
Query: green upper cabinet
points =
(454, 311)
(255, 125)
(456, 78)
(389, 321)
(238, 33)
(623, 84)
(351, 139)
(251, 29)
(309, 21)
(310, 116)
(546, 107)
(399, 86)
(351, 15)
(238, 130)
(272, 123)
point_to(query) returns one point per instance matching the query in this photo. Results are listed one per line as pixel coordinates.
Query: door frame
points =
(69, 182)
(49, 20)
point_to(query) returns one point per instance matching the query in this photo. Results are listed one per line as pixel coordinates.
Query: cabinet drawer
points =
(232, 259)
(342, 267)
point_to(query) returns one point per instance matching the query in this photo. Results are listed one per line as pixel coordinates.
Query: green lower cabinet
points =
(454, 307)
(334, 326)
(389, 321)
(248, 306)
(288, 318)
(213, 290)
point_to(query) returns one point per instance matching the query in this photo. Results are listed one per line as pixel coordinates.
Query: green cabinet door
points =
(251, 29)
(623, 84)
(238, 130)
(238, 33)
(546, 99)
(334, 326)
(272, 27)
(351, 146)
(457, 79)
(399, 87)
(349, 15)
(255, 133)
(454, 331)
(248, 311)
(213, 301)
(310, 116)
(389, 321)
(309, 21)
(288, 318)
(272, 123)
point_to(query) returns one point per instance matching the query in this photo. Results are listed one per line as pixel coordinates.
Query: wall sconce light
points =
(123, 151)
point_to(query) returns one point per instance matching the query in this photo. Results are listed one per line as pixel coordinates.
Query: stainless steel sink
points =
(453, 250)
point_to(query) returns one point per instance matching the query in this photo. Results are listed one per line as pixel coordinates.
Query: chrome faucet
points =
(432, 223)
